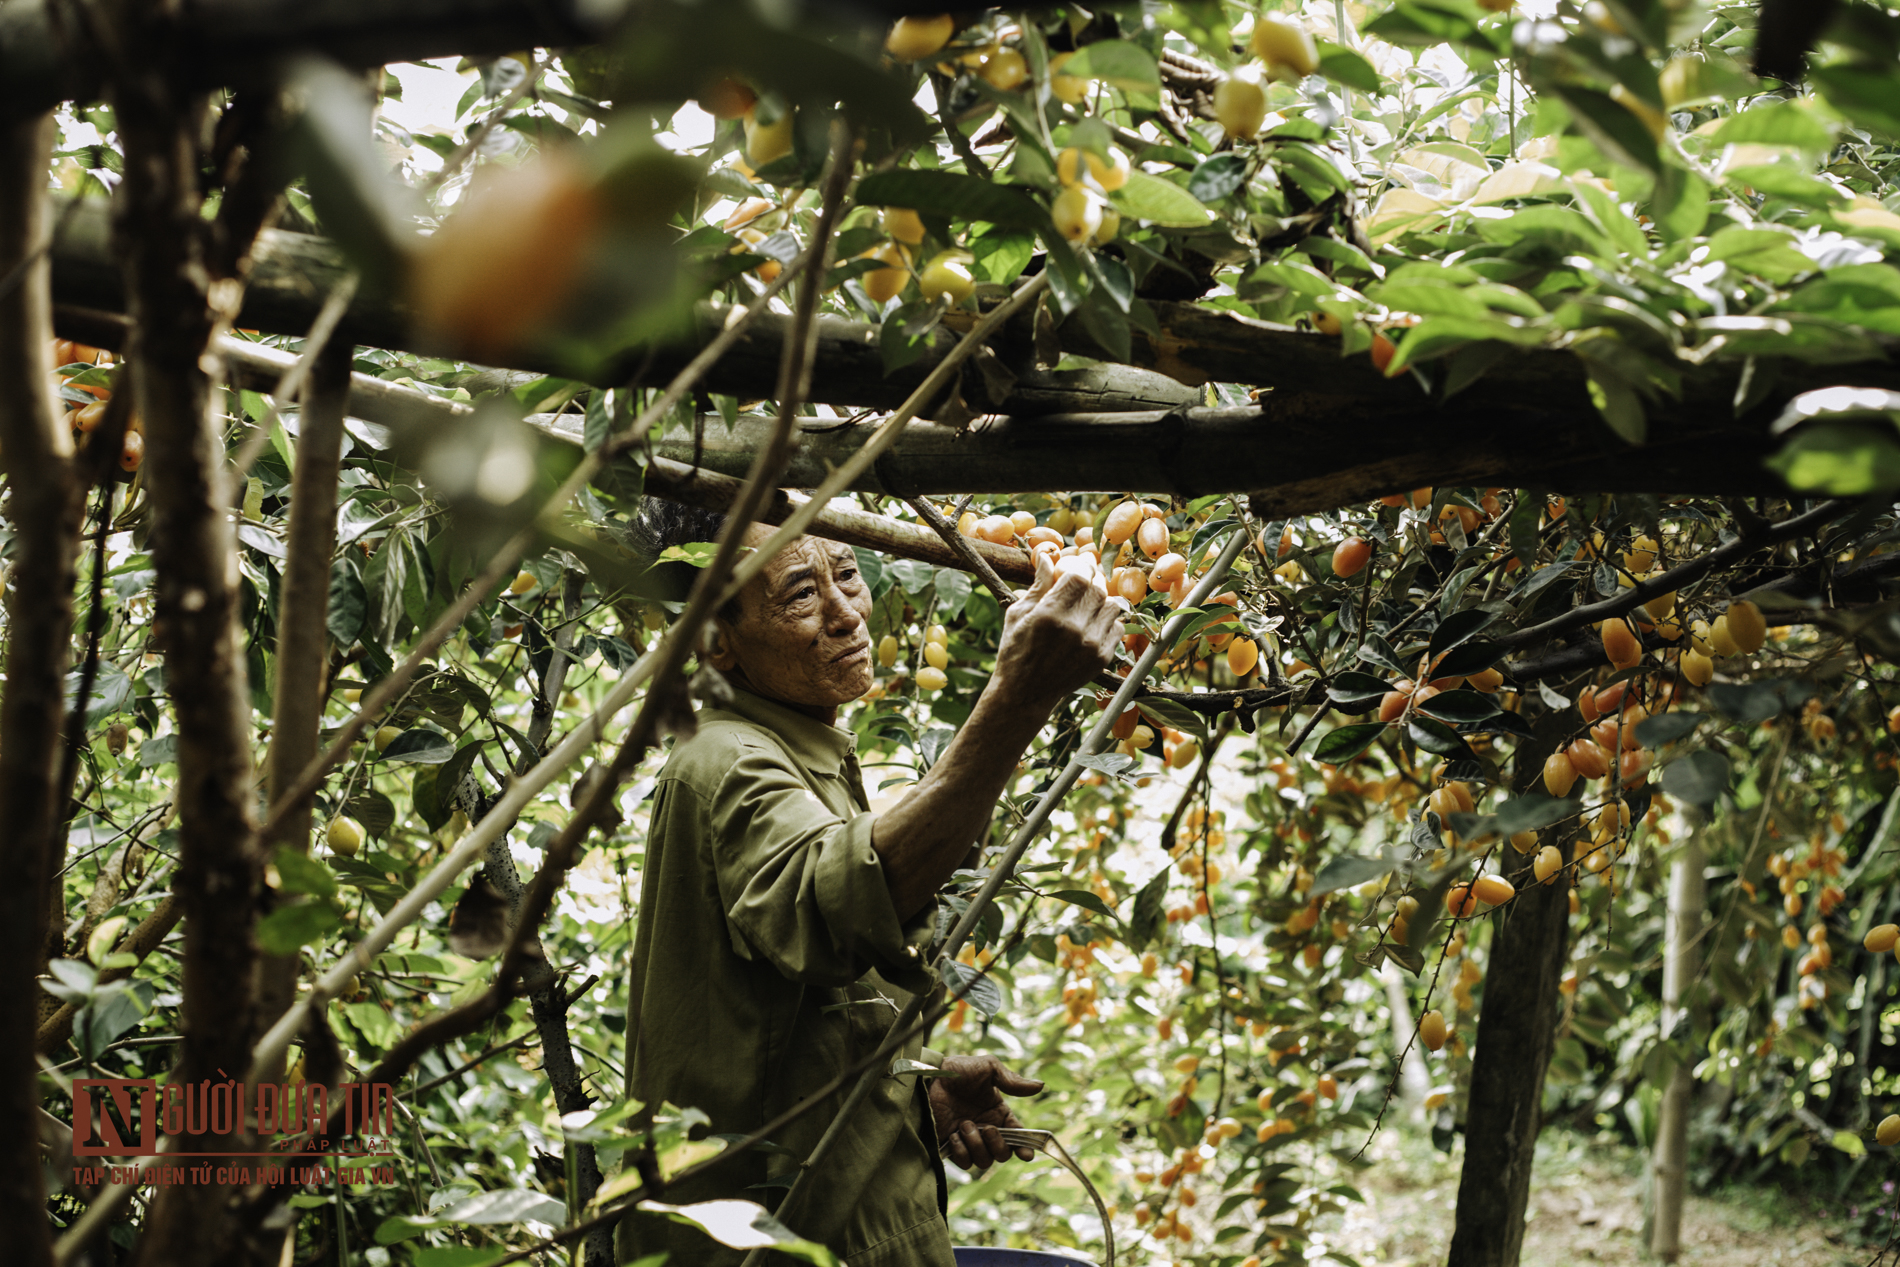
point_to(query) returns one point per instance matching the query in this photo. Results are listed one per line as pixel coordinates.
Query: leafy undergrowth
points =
(1586, 1207)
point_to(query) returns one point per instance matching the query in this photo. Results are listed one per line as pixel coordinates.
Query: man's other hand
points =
(1058, 635)
(967, 1104)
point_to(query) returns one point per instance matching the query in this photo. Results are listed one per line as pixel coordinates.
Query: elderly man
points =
(780, 919)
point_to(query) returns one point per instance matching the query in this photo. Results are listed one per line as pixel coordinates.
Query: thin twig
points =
(961, 544)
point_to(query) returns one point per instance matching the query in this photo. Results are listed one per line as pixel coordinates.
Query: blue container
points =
(986, 1256)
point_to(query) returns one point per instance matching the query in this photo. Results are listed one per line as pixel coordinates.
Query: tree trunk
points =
(193, 553)
(36, 453)
(1683, 957)
(1517, 1027)
(303, 640)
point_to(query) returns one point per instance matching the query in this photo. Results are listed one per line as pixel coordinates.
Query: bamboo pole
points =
(1680, 967)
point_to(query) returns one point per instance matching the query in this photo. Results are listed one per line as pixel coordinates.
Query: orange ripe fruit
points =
(1168, 569)
(88, 417)
(1382, 350)
(1587, 703)
(503, 264)
(1588, 759)
(1132, 586)
(1882, 938)
(1350, 557)
(1023, 522)
(131, 451)
(1620, 644)
(1328, 1086)
(1242, 655)
(1392, 705)
(1610, 698)
(727, 98)
(1633, 766)
(1121, 523)
(1493, 890)
(1461, 902)
(1152, 538)
(1431, 1030)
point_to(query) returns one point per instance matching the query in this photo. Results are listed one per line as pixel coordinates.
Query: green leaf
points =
(1000, 257)
(1344, 743)
(1464, 707)
(1469, 657)
(1530, 812)
(1148, 919)
(1126, 66)
(1219, 177)
(1343, 66)
(980, 990)
(349, 605)
(1349, 871)
(375, 1024)
(1159, 202)
(1354, 692)
(1459, 628)
(1437, 738)
(954, 195)
(1086, 900)
(420, 747)
(452, 1255)
(1780, 123)
(299, 873)
(1654, 732)
(743, 1225)
(1699, 778)
(1840, 459)
(1865, 96)
(294, 925)
(1611, 127)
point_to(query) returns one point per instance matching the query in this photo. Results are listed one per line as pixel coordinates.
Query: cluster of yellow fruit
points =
(85, 419)
(1081, 211)
(931, 677)
(1287, 52)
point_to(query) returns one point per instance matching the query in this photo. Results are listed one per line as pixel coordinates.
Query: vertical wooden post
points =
(1680, 965)
(1517, 1029)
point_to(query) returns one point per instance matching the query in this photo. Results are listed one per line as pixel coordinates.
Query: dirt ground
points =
(1586, 1207)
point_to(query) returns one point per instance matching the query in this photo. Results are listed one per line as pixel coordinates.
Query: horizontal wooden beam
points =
(399, 408)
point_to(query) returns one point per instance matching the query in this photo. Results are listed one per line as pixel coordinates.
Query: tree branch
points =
(36, 453)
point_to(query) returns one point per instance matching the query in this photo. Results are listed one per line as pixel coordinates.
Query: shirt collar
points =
(824, 749)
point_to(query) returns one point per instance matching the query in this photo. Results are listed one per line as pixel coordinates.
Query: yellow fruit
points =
(1005, 70)
(1110, 173)
(1431, 1030)
(947, 276)
(901, 224)
(932, 679)
(887, 650)
(1888, 1132)
(1186, 1064)
(1661, 605)
(1068, 89)
(1620, 644)
(1882, 938)
(1549, 863)
(507, 258)
(352, 695)
(936, 655)
(937, 633)
(1697, 668)
(1111, 227)
(913, 39)
(1241, 107)
(1077, 213)
(1493, 890)
(1121, 523)
(386, 736)
(1242, 655)
(1524, 841)
(1722, 638)
(523, 582)
(1560, 775)
(345, 836)
(767, 142)
(881, 285)
(1186, 753)
(1285, 47)
(1746, 626)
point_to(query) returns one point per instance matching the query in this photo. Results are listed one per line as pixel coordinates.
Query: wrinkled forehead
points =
(804, 559)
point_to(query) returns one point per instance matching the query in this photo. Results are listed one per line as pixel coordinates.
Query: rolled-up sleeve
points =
(802, 887)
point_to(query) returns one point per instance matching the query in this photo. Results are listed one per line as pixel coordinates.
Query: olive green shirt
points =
(763, 960)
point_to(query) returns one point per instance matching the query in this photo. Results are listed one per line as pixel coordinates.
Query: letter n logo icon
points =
(115, 1117)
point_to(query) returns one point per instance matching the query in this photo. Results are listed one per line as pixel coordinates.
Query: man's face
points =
(802, 636)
